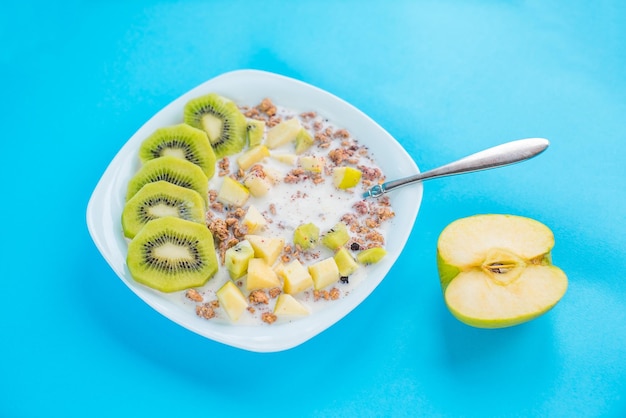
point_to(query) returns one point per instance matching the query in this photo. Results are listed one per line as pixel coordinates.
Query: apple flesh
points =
(232, 193)
(296, 277)
(346, 177)
(496, 270)
(287, 305)
(232, 300)
(324, 273)
(252, 156)
(312, 163)
(254, 220)
(267, 248)
(283, 133)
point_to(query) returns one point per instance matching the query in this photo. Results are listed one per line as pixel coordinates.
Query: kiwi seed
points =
(181, 141)
(173, 170)
(220, 118)
(159, 199)
(171, 254)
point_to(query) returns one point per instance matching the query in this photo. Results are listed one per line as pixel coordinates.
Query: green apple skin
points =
(449, 272)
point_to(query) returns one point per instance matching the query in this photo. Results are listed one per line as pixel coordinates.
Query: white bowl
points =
(250, 87)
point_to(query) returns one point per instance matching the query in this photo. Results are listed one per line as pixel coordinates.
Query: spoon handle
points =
(498, 156)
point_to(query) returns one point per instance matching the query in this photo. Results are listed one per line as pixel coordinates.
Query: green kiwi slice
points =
(256, 130)
(159, 199)
(171, 254)
(173, 170)
(182, 141)
(220, 118)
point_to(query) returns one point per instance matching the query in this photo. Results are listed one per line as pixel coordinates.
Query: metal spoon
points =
(498, 156)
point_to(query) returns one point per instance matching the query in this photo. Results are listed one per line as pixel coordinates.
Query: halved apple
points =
(496, 270)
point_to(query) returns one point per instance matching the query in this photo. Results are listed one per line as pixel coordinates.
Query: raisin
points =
(344, 279)
(355, 246)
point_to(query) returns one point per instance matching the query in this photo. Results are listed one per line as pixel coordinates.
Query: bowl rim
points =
(244, 86)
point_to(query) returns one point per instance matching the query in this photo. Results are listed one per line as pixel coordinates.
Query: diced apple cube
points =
(296, 277)
(287, 305)
(324, 273)
(267, 248)
(254, 220)
(232, 193)
(346, 177)
(283, 133)
(257, 183)
(261, 275)
(279, 268)
(312, 163)
(232, 300)
(252, 156)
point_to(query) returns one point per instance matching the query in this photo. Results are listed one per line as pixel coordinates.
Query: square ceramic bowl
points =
(249, 87)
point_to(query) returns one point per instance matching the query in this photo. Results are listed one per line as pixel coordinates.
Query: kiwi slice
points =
(256, 130)
(371, 255)
(160, 199)
(336, 237)
(220, 118)
(173, 170)
(182, 141)
(170, 254)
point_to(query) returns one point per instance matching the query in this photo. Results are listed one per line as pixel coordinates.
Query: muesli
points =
(290, 230)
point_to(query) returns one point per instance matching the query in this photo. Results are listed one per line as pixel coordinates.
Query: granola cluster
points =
(207, 310)
(227, 230)
(364, 219)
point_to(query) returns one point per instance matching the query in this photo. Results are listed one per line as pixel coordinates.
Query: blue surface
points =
(446, 78)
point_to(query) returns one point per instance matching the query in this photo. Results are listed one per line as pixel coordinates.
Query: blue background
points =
(446, 78)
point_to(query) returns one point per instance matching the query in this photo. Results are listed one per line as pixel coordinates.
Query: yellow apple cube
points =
(252, 156)
(267, 248)
(312, 163)
(232, 300)
(287, 305)
(261, 275)
(283, 133)
(324, 273)
(346, 177)
(254, 220)
(232, 193)
(296, 277)
(258, 183)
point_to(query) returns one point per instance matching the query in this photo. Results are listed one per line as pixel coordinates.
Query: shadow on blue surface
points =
(500, 361)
